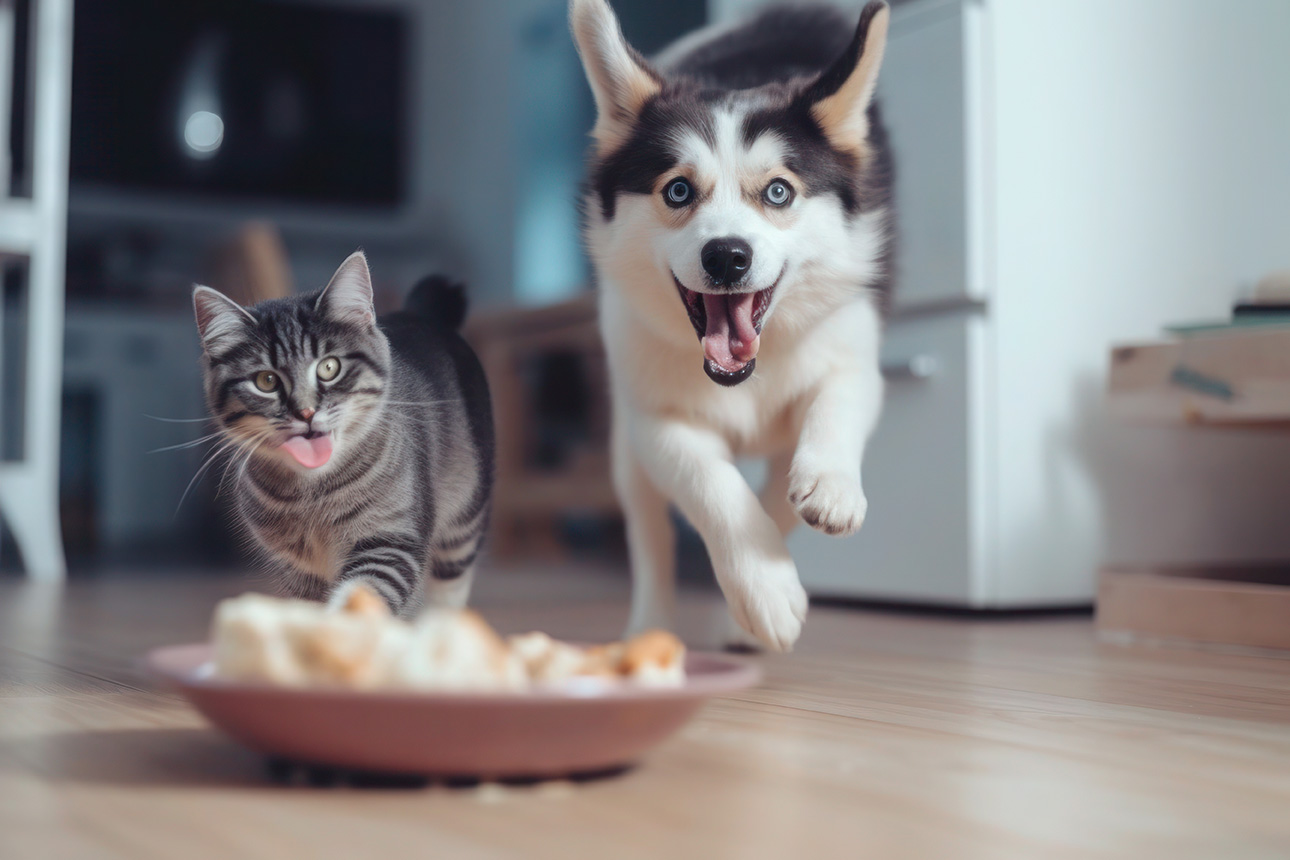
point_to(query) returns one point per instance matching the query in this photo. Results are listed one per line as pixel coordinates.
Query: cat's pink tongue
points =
(310, 453)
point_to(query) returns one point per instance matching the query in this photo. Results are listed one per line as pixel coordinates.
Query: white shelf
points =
(98, 206)
(17, 226)
(36, 229)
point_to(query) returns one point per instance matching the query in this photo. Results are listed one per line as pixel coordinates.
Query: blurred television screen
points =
(240, 98)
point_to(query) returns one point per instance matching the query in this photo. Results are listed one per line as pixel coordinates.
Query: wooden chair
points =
(253, 265)
(529, 501)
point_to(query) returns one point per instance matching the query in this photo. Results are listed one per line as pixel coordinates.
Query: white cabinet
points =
(1070, 174)
(919, 540)
(922, 100)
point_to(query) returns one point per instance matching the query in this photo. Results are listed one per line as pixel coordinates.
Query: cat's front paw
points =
(361, 596)
(767, 599)
(829, 501)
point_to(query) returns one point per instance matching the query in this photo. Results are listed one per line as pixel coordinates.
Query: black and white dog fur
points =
(739, 189)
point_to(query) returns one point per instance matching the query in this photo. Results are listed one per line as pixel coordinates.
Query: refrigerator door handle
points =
(915, 368)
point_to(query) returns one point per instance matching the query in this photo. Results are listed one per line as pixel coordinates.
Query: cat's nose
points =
(306, 414)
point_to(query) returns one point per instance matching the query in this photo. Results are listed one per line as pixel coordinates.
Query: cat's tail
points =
(440, 300)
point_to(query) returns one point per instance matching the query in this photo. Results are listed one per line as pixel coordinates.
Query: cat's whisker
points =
(417, 402)
(210, 459)
(179, 420)
(246, 461)
(252, 447)
(249, 445)
(258, 443)
(228, 464)
(192, 444)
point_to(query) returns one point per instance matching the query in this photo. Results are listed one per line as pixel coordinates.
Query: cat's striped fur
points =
(402, 502)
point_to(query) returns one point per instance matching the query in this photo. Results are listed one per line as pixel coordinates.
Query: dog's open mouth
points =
(729, 327)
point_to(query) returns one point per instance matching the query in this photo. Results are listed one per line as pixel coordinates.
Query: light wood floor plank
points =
(884, 736)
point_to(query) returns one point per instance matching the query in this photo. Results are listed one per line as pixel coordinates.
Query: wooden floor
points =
(883, 736)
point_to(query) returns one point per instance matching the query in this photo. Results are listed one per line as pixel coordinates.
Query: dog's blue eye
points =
(678, 192)
(778, 193)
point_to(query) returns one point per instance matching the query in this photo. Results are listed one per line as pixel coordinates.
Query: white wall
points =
(493, 192)
(729, 10)
(1141, 158)
(464, 181)
(459, 214)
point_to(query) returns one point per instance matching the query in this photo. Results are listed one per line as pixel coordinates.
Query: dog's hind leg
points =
(651, 540)
(774, 493)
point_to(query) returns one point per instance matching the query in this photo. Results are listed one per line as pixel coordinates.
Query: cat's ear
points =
(219, 318)
(348, 295)
(840, 96)
(621, 80)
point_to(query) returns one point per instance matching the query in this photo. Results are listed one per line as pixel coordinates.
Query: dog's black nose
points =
(726, 260)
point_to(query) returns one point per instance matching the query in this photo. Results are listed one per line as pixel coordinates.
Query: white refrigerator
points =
(1070, 174)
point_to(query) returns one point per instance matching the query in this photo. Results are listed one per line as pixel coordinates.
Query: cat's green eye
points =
(266, 380)
(328, 368)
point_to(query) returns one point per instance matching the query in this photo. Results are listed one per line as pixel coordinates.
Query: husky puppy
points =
(738, 214)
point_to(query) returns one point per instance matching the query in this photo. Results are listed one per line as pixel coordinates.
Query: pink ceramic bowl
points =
(493, 735)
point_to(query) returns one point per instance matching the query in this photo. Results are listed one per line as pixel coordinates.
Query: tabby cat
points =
(362, 449)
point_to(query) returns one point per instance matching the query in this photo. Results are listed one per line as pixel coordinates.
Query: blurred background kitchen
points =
(1071, 175)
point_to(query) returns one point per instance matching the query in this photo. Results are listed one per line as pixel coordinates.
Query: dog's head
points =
(733, 200)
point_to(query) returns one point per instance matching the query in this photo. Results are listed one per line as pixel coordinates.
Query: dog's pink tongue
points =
(731, 340)
(310, 453)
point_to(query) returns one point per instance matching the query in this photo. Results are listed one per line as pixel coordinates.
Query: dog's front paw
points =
(832, 502)
(767, 599)
(736, 640)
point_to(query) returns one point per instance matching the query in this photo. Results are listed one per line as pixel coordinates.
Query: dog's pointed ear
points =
(620, 79)
(219, 318)
(840, 96)
(348, 295)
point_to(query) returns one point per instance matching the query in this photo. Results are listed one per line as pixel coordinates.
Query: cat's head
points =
(297, 379)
